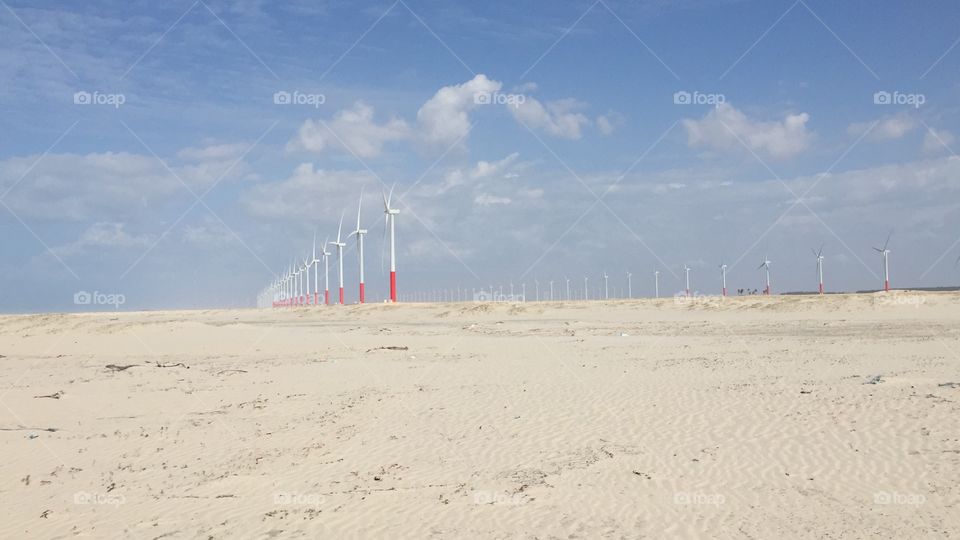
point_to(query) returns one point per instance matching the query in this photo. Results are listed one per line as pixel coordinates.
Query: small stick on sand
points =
(115, 367)
(56, 395)
(181, 364)
(389, 348)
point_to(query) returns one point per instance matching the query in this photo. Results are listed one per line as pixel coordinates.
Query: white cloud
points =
(354, 128)
(443, 119)
(607, 123)
(556, 117)
(320, 191)
(725, 128)
(100, 236)
(480, 171)
(937, 141)
(91, 186)
(485, 199)
(215, 152)
(886, 129)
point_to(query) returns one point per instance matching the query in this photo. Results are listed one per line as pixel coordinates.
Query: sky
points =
(181, 154)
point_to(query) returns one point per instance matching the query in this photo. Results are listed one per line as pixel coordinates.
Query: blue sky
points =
(197, 187)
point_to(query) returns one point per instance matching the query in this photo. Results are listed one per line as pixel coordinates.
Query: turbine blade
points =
(359, 206)
(339, 227)
(390, 196)
(888, 239)
(821, 250)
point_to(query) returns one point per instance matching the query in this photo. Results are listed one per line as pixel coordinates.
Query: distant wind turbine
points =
(886, 262)
(819, 256)
(359, 234)
(766, 266)
(656, 284)
(340, 245)
(723, 277)
(686, 270)
(326, 272)
(629, 285)
(391, 216)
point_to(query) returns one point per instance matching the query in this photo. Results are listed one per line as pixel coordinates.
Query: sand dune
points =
(753, 417)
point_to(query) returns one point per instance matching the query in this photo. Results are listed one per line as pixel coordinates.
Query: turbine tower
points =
(340, 245)
(686, 270)
(315, 262)
(886, 262)
(606, 289)
(326, 272)
(359, 233)
(586, 293)
(656, 283)
(390, 217)
(565, 278)
(723, 277)
(629, 285)
(306, 273)
(819, 255)
(766, 266)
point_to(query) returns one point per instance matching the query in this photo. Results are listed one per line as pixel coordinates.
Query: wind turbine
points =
(390, 218)
(326, 272)
(723, 277)
(340, 245)
(359, 233)
(886, 262)
(586, 291)
(551, 290)
(306, 274)
(606, 289)
(315, 262)
(656, 283)
(629, 285)
(686, 269)
(766, 266)
(565, 278)
(819, 255)
(536, 284)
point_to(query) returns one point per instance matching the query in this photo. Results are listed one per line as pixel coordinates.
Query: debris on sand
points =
(390, 348)
(180, 364)
(221, 372)
(22, 428)
(114, 367)
(876, 379)
(949, 385)
(56, 395)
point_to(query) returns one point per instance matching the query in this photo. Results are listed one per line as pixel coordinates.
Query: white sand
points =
(743, 418)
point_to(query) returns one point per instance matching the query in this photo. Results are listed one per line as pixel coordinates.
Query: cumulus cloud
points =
(558, 118)
(480, 171)
(351, 130)
(443, 119)
(215, 152)
(324, 191)
(609, 122)
(725, 128)
(885, 129)
(486, 199)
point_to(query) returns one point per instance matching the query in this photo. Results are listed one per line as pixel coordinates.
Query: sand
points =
(754, 417)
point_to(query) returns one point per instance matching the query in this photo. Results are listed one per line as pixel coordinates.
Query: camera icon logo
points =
(281, 98)
(82, 298)
(882, 98)
(482, 98)
(82, 98)
(682, 98)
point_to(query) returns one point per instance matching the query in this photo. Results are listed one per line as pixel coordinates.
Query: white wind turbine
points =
(306, 281)
(686, 270)
(391, 216)
(326, 272)
(819, 256)
(315, 262)
(565, 278)
(886, 262)
(766, 266)
(606, 289)
(551, 290)
(723, 277)
(629, 285)
(656, 283)
(359, 233)
(340, 245)
(586, 293)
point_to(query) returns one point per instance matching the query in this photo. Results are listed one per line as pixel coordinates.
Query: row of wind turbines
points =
(292, 288)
